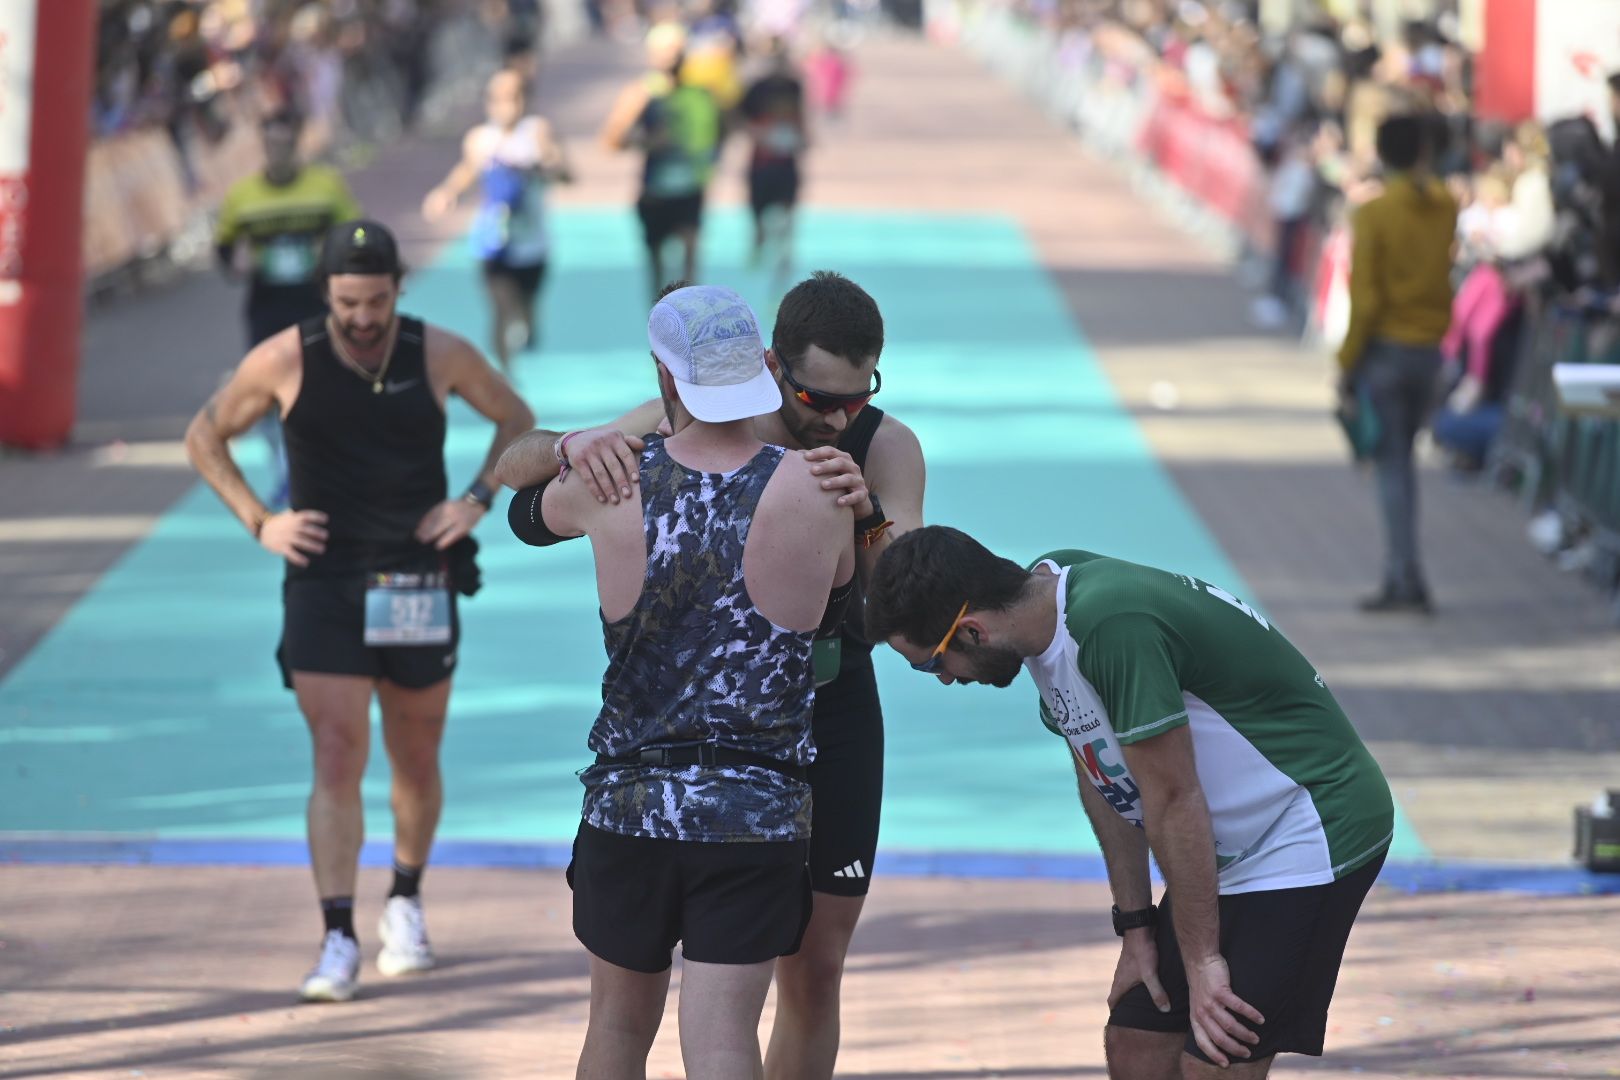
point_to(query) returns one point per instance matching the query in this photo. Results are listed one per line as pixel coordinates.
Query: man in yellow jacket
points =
(1400, 307)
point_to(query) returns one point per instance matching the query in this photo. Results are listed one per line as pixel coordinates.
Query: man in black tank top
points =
(825, 349)
(376, 551)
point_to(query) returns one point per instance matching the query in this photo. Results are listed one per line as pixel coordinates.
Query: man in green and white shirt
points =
(1198, 731)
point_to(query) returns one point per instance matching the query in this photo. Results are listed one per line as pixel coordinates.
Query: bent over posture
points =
(1198, 731)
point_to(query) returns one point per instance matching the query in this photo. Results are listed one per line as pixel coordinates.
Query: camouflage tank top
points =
(696, 662)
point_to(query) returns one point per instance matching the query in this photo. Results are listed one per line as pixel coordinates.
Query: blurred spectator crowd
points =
(192, 67)
(180, 86)
(1268, 139)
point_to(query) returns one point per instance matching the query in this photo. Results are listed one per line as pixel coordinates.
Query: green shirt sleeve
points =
(1134, 661)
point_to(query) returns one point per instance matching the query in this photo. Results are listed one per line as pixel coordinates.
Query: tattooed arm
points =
(266, 379)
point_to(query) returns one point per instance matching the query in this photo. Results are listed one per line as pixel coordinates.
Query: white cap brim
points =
(736, 401)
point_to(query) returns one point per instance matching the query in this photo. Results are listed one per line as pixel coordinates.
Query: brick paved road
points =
(164, 972)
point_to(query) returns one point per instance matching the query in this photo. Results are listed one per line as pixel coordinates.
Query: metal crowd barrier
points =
(1567, 464)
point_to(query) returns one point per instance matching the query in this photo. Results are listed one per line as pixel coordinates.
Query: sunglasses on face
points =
(823, 402)
(936, 659)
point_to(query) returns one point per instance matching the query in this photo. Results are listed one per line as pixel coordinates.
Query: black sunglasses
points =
(823, 402)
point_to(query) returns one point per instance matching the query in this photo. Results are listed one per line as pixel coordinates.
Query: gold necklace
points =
(374, 377)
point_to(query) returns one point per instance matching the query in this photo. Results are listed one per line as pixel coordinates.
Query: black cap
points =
(361, 247)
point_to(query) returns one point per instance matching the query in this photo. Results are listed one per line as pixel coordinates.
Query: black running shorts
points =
(527, 279)
(662, 218)
(324, 632)
(774, 184)
(846, 779)
(1283, 948)
(734, 903)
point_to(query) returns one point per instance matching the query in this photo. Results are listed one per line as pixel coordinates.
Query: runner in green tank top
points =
(677, 126)
(1198, 732)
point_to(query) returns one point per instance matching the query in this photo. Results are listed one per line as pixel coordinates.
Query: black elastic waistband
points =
(702, 754)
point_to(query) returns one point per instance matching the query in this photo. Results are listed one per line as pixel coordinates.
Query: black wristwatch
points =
(1134, 920)
(481, 494)
(872, 520)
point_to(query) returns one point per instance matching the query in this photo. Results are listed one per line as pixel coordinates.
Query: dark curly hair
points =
(831, 311)
(922, 580)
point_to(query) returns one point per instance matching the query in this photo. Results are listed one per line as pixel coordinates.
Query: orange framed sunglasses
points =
(823, 402)
(936, 659)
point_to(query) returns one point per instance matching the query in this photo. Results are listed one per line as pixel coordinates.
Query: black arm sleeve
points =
(832, 620)
(527, 522)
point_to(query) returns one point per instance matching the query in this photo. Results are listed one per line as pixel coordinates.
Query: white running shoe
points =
(404, 937)
(337, 974)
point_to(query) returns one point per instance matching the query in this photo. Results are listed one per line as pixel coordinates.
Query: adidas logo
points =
(854, 870)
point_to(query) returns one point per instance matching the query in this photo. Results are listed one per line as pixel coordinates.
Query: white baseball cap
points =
(709, 340)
